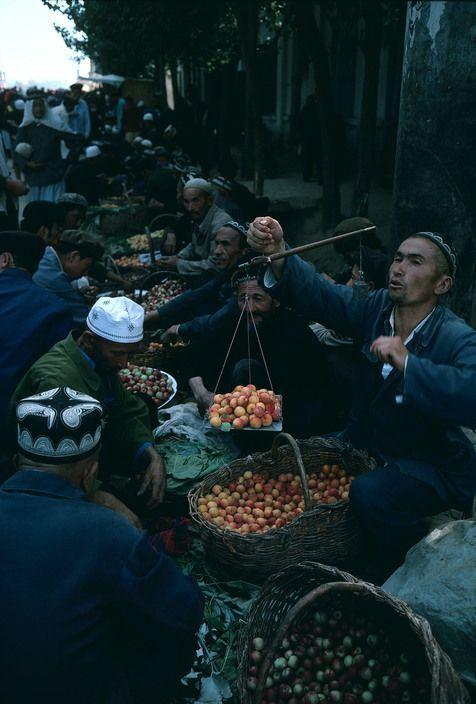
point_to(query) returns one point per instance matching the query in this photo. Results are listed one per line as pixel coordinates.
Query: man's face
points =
(110, 357)
(196, 202)
(413, 275)
(260, 303)
(76, 267)
(227, 248)
(73, 219)
(39, 108)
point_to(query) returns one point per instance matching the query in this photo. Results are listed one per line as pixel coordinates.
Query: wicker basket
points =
(286, 598)
(328, 533)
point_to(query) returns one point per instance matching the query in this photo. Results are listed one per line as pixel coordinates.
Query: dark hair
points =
(86, 248)
(40, 213)
(66, 207)
(25, 247)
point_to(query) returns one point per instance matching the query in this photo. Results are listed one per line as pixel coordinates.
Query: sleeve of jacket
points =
(187, 266)
(131, 420)
(302, 288)
(213, 324)
(445, 391)
(186, 306)
(162, 606)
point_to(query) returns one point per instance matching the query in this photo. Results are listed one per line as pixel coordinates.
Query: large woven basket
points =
(285, 599)
(328, 533)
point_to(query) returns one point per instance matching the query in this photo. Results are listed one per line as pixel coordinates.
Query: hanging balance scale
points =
(246, 407)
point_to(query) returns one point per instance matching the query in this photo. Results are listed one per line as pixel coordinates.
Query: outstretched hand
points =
(265, 235)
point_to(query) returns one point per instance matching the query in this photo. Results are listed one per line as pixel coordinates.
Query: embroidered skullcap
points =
(148, 117)
(73, 199)
(147, 144)
(444, 247)
(136, 141)
(200, 184)
(92, 152)
(242, 228)
(59, 426)
(117, 319)
(244, 273)
(221, 182)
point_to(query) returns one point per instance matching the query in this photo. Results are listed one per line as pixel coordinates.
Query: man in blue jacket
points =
(89, 610)
(33, 320)
(415, 381)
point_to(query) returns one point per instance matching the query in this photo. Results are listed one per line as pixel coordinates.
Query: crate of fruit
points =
(263, 512)
(315, 634)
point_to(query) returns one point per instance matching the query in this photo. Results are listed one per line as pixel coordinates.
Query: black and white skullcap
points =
(59, 426)
(444, 247)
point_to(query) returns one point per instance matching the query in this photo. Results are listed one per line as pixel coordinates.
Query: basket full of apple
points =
(263, 512)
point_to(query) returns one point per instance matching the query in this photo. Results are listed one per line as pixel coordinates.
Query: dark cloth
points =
(309, 125)
(127, 425)
(391, 506)
(46, 143)
(85, 590)
(33, 320)
(82, 179)
(295, 362)
(422, 435)
(206, 299)
(50, 276)
(162, 185)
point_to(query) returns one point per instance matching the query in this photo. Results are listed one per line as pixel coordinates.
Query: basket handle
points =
(286, 438)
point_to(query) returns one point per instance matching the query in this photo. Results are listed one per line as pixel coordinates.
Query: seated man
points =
(89, 361)
(293, 360)
(43, 218)
(63, 265)
(72, 208)
(415, 383)
(196, 259)
(230, 246)
(33, 319)
(89, 607)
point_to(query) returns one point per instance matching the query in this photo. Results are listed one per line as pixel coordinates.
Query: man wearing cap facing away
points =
(89, 361)
(90, 612)
(415, 382)
(196, 259)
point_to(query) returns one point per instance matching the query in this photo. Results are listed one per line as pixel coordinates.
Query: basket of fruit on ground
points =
(246, 408)
(157, 385)
(316, 634)
(263, 512)
(159, 288)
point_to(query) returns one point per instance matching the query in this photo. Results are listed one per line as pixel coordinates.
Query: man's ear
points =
(6, 260)
(44, 233)
(88, 340)
(443, 285)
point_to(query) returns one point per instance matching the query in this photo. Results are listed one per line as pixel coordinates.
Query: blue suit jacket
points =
(33, 320)
(82, 590)
(422, 434)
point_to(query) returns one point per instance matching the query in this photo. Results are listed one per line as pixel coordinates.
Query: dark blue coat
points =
(422, 435)
(33, 320)
(81, 592)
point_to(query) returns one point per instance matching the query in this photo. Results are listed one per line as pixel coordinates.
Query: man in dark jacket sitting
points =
(90, 611)
(415, 381)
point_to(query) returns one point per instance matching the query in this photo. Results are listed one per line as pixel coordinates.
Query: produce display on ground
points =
(161, 293)
(245, 406)
(339, 656)
(131, 262)
(159, 385)
(257, 503)
(140, 243)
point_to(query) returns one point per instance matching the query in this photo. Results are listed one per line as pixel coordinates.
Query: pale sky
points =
(31, 50)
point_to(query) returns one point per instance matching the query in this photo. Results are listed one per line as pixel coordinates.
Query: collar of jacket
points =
(208, 219)
(40, 483)
(90, 376)
(426, 334)
(14, 272)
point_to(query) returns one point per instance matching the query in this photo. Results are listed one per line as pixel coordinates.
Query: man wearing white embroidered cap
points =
(89, 362)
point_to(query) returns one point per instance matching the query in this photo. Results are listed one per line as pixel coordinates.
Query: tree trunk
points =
(159, 75)
(370, 46)
(225, 119)
(187, 78)
(314, 43)
(247, 15)
(296, 84)
(173, 74)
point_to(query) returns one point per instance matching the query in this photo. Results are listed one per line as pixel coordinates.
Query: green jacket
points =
(127, 417)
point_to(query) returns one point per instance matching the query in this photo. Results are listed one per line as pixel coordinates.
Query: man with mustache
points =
(415, 382)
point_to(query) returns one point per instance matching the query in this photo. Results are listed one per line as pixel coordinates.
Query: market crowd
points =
(92, 609)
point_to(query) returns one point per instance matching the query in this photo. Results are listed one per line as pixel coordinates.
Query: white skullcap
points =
(19, 104)
(199, 183)
(117, 319)
(92, 152)
(24, 149)
(146, 143)
(148, 117)
(137, 140)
